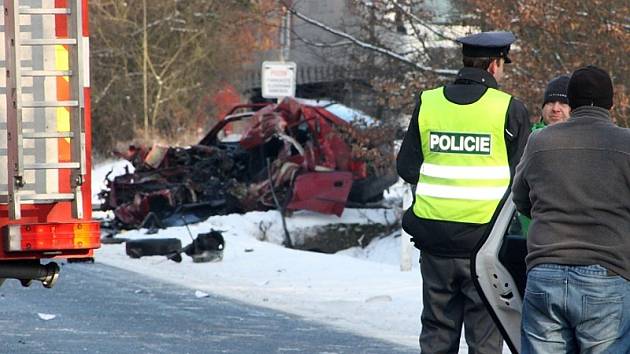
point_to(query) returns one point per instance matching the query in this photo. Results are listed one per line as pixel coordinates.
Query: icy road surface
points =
(100, 309)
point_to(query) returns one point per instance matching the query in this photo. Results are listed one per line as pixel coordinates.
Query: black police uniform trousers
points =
(449, 298)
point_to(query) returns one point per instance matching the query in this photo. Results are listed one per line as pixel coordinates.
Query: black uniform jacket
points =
(445, 238)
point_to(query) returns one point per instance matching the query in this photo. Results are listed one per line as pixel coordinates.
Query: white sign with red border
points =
(278, 79)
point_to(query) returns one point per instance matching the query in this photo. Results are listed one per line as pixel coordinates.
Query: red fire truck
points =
(45, 144)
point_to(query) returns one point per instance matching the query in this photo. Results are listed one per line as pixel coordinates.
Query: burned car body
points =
(288, 156)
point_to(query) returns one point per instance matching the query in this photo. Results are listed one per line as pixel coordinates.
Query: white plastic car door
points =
(496, 285)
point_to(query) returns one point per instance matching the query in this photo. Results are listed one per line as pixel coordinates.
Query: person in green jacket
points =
(555, 103)
(555, 110)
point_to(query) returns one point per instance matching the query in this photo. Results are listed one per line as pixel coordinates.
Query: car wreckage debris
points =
(153, 247)
(318, 162)
(206, 247)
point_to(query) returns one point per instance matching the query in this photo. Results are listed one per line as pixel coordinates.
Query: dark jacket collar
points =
(474, 75)
(590, 112)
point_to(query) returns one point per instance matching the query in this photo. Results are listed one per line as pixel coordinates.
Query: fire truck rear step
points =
(51, 166)
(47, 135)
(37, 11)
(34, 73)
(49, 41)
(4, 198)
(44, 104)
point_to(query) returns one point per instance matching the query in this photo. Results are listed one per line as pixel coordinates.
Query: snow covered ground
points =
(360, 289)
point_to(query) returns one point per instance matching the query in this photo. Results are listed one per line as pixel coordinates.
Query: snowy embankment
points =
(360, 289)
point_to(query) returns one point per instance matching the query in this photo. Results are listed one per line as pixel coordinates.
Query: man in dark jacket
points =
(460, 150)
(574, 182)
(555, 107)
(555, 110)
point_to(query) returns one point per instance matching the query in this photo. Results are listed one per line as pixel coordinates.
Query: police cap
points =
(488, 44)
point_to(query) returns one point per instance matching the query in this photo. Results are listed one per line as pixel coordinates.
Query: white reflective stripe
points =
(465, 172)
(15, 237)
(86, 61)
(452, 192)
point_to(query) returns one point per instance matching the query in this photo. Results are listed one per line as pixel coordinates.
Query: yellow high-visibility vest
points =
(465, 171)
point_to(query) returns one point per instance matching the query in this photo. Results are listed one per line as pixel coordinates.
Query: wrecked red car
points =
(288, 156)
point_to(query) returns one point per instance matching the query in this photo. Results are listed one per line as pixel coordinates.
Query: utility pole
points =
(145, 59)
(406, 250)
(285, 34)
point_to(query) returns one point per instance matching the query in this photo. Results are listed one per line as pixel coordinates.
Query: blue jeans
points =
(575, 309)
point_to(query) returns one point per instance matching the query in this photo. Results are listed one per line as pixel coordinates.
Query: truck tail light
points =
(52, 236)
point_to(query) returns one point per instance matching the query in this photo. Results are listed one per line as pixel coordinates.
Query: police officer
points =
(462, 146)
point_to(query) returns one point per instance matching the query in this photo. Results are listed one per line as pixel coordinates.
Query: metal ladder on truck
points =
(15, 106)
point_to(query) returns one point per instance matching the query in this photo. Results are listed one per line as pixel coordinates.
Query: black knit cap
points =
(556, 90)
(590, 86)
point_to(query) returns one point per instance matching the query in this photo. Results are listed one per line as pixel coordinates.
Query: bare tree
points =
(554, 37)
(378, 48)
(192, 46)
(398, 50)
(558, 36)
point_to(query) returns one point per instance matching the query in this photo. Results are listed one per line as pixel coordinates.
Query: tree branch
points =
(321, 44)
(420, 21)
(367, 46)
(100, 96)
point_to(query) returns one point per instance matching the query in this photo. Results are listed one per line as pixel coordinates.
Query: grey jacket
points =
(574, 182)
